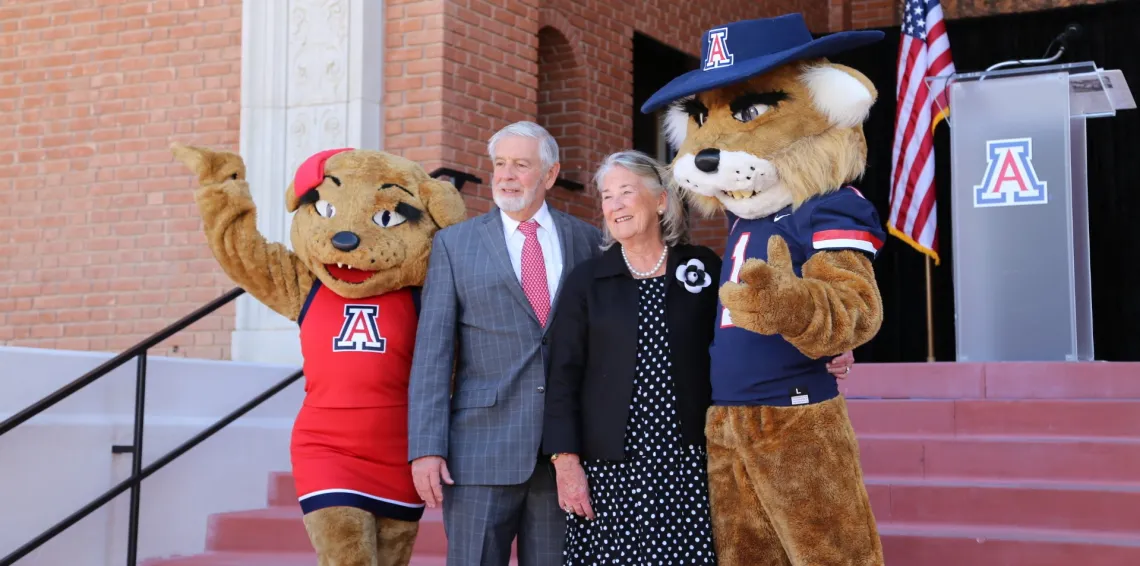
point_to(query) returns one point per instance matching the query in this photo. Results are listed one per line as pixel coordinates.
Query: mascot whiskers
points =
(362, 232)
(769, 132)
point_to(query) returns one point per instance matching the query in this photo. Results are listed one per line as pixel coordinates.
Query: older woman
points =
(629, 379)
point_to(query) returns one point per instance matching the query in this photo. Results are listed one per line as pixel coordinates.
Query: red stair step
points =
(238, 559)
(1039, 417)
(938, 380)
(271, 559)
(1002, 380)
(1063, 380)
(279, 529)
(996, 457)
(282, 491)
(1052, 505)
(1049, 417)
(442, 561)
(907, 545)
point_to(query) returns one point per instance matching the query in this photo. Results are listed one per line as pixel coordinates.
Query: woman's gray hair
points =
(656, 178)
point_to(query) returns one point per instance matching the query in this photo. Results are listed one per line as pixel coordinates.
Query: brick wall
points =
(563, 110)
(859, 14)
(566, 64)
(413, 80)
(100, 241)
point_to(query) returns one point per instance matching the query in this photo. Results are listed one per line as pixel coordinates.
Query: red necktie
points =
(534, 282)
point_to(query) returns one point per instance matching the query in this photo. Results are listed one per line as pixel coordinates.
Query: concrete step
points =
(1034, 417)
(978, 457)
(1104, 508)
(962, 545)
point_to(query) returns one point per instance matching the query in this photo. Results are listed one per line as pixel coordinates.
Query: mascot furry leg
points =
(362, 233)
(770, 132)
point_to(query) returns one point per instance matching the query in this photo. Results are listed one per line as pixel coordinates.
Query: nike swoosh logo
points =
(780, 216)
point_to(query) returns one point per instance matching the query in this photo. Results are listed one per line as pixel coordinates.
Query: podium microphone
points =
(1071, 33)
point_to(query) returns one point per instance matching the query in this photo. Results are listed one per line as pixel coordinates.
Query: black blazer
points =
(593, 351)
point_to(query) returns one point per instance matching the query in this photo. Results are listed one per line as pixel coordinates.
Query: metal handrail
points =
(136, 478)
(138, 351)
(113, 363)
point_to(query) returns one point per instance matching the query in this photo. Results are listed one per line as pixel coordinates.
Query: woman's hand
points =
(573, 491)
(840, 365)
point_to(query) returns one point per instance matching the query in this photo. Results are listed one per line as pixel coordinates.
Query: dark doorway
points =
(654, 65)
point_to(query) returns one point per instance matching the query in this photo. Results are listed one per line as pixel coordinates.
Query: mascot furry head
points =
(770, 132)
(362, 231)
(770, 123)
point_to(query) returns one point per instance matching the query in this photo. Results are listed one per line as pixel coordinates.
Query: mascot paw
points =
(211, 167)
(770, 298)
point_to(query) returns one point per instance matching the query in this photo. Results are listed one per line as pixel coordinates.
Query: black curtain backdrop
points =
(1111, 40)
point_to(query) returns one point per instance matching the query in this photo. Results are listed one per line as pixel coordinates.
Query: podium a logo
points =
(1010, 178)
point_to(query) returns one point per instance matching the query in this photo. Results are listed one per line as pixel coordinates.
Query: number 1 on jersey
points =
(734, 276)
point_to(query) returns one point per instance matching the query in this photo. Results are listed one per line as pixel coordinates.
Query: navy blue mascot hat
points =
(745, 49)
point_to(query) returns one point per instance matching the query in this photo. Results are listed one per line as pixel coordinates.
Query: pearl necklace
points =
(664, 252)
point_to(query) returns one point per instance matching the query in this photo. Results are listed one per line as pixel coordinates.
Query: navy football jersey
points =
(749, 368)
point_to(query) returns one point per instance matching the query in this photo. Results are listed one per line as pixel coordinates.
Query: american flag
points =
(924, 51)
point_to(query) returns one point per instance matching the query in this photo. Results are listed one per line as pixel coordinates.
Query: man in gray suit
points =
(492, 287)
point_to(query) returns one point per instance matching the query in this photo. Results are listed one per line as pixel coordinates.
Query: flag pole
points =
(929, 315)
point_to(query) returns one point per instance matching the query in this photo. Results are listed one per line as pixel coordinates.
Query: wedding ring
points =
(847, 371)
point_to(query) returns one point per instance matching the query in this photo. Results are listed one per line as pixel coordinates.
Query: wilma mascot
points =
(361, 235)
(770, 132)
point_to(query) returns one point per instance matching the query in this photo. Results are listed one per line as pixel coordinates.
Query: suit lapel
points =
(566, 242)
(496, 242)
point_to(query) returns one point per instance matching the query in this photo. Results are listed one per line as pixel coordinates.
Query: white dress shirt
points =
(547, 238)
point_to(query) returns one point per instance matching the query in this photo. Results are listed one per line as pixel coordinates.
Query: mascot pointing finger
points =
(770, 133)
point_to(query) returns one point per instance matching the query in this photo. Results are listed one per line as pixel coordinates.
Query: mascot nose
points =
(345, 241)
(707, 160)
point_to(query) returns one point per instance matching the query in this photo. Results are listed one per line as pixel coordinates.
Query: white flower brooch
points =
(693, 276)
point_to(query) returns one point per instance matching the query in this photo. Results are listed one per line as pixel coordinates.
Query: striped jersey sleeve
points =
(845, 220)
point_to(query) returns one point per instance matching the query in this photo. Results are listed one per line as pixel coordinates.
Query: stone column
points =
(311, 75)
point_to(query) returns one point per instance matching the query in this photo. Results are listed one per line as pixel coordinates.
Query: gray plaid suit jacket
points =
(490, 430)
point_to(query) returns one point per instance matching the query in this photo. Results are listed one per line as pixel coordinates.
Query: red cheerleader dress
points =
(350, 440)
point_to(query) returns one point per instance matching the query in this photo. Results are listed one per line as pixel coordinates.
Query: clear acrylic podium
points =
(1019, 208)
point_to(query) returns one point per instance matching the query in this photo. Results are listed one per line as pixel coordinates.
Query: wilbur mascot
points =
(768, 132)
(362, 231)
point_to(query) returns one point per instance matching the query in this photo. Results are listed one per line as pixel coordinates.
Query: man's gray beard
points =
(512, 204)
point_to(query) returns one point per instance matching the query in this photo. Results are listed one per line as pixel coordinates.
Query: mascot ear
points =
(841, 93)
(292, 201)
(675, 122)
(443, 201)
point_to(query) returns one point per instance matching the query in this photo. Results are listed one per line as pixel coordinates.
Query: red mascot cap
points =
(312, 172)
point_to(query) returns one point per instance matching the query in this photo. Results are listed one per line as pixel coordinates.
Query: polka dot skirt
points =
(651, 508)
